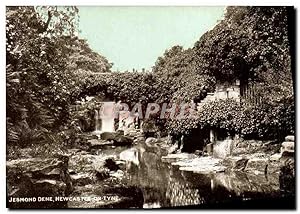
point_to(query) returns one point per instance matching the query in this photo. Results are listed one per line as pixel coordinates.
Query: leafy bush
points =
(252, 122)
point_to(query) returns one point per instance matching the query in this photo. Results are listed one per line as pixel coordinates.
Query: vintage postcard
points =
(150, 107)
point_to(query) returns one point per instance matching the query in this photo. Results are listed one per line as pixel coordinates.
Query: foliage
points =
(178, 71)
(34, 58)
(268, 120)
(49, 68)
(83, 58)
(43, 67)
(250, 44)
(251, 121)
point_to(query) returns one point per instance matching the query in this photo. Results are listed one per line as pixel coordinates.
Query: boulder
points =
(288, 146)
(222, 149)
(290, 138)
(82, 179)
(123, 141)
(236, 162)
(117, 137)
(117, 174)
(257, 165)
(110, 135)
(243, 147)
(94, 165)
(98, 144)
(151, 140)
(203, 165)
(130, 155)
(36, 177)
(83, 162)
(209, 148)
(275, 157)
(287, 176)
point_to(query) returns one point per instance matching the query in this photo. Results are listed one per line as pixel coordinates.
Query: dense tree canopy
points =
(49, 68)
(41, 50)
(250, 44)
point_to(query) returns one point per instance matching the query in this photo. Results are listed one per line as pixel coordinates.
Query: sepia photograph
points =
(150, 107)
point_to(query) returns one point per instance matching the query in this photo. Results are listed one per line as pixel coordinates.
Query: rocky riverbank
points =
(91, 171)
(95, 171)
(250, 166)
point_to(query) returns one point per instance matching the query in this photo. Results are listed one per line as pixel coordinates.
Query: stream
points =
(164, 185)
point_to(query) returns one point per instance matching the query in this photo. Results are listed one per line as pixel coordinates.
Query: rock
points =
(290, 138)
(209, 148)
(179, 156)
(287, 176)
(151, 140)
(117, 174)
(287, 146)
(270, 147)
(253, 146)
(203, 165)
(222, 149)
(236, 163)
(82, 179)
(109, 135)
(172, 149)
(121, 132)
(98, 144)
(36, 177)
(84, 162)
(257, 165)
(275, 157)
(130, 155)
(132, 132)
(123, 141)
(273, 166)
(117, 138)
(73, 151)
(102, 174)
(90, 164)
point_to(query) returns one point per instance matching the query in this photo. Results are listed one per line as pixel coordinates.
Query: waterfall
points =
(108, 124)
(97, 122)
(107, 115)
(105, 118)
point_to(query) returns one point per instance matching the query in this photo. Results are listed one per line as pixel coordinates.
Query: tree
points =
(84, 58)
(36, 54)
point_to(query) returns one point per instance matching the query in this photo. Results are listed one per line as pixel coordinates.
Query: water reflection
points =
(164, 185)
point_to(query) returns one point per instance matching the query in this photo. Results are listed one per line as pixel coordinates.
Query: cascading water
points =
(104, 118)
(107, 115)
